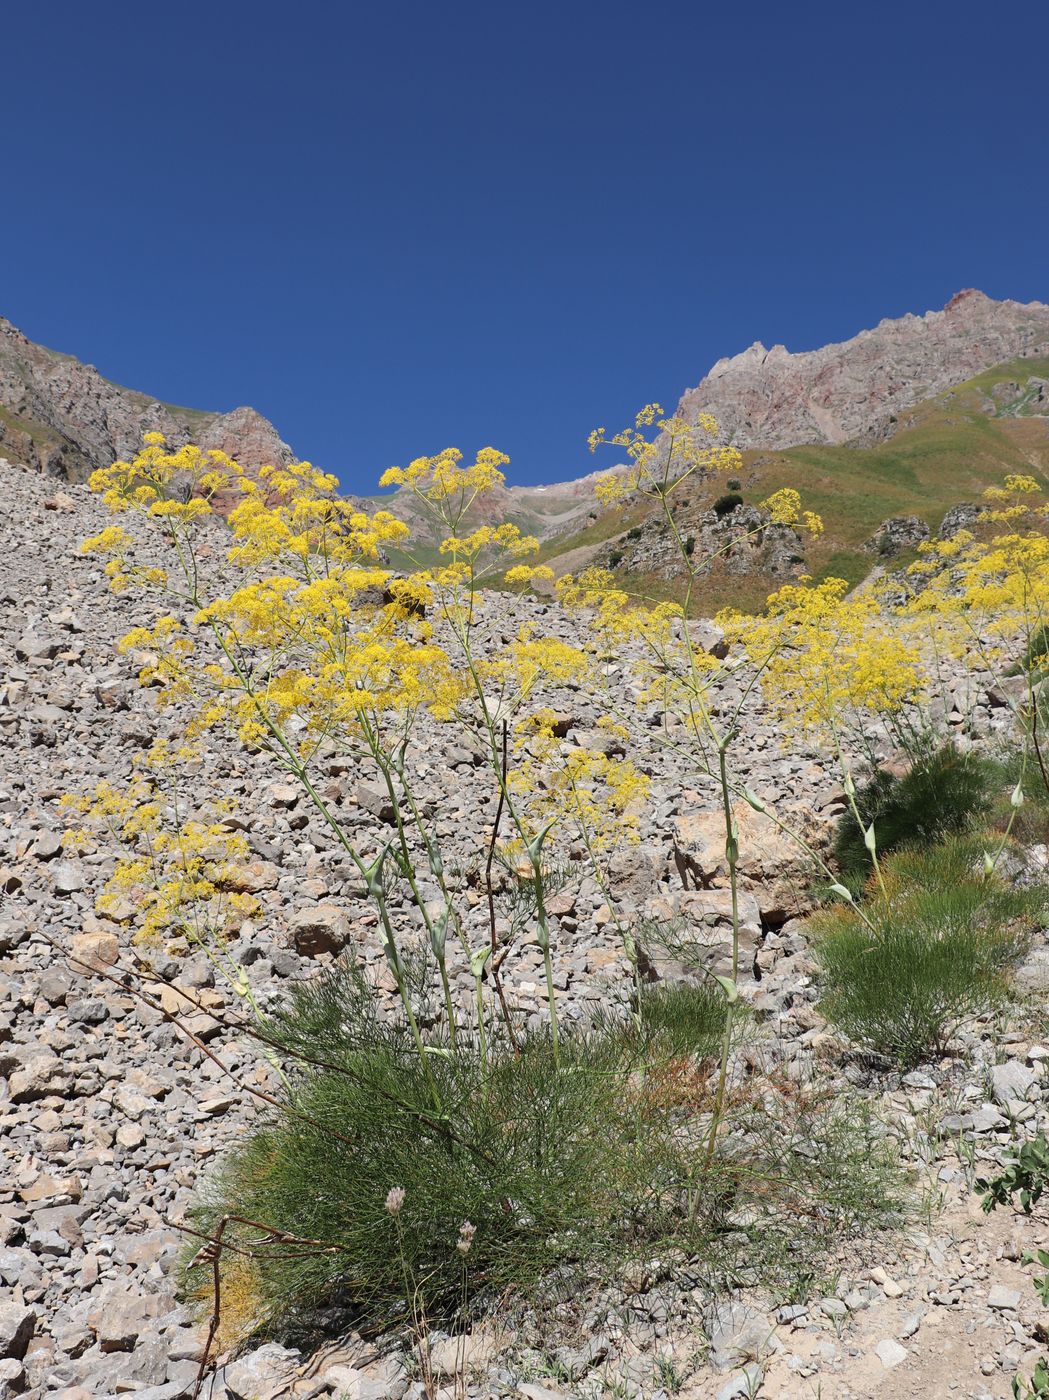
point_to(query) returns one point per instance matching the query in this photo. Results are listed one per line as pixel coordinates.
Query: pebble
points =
(1002, 1298)
(890, 1353)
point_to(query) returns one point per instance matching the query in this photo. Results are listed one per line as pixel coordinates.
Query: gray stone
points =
(321, 929)
(47, 845)
(743, 1386)
(40, 1074)
(170, 1390)
(1004, 1299)
(68, 878)
(19, 1266)
(909, 1326)
(375, 800)
(737, 1332)
(453, 1356)
(890, 1353)
(1012, 1080)
(269, 1365)
(12, 1378)
(16, 1328)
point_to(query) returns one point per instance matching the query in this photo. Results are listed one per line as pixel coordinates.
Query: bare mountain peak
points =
(776, 398)
(63, 417)
(967, 297)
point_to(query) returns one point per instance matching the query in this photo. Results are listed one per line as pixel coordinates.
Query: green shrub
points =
(734, 484)
(727, 503)
(942, 794)
(1026, 1174)
(1018, 765)
(634, 533)
(690, 546)
(933, 948)
(566, 1166)
(615, 558)
(540, 1158)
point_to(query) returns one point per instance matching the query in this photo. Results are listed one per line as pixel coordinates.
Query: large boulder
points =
(771, 864)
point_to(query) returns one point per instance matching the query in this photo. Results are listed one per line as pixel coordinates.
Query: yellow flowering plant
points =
(676, 669)
(288, 628)
(320, 651)
(174, 882)
(983, 595)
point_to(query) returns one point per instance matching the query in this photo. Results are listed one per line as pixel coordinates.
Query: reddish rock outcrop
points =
(65, 419)
(773, 398)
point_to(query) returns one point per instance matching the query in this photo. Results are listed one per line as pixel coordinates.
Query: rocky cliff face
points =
(62, 417)
(772, 398)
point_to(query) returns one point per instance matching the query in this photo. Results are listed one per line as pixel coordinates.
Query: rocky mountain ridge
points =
(63, 418)
(772, 398)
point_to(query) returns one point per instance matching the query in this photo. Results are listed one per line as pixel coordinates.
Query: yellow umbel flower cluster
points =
(664, 459)
(172, 877)
(603, 795)
(443, 478)
(784, 508)
(825, 655)
(177, 486)
(986, 595)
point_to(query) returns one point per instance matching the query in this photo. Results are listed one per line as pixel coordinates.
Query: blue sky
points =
(396, 227)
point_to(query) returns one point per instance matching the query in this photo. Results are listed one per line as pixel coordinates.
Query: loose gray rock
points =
(737, 1332)
(1012, 1081)
(16, 1328)
(890, 1353)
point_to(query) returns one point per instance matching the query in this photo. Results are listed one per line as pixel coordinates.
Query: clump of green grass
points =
(942, 794)
(684, 1018)
(564, 1164)
(931, 946)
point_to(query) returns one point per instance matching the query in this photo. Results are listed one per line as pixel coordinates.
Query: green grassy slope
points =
(944, 451)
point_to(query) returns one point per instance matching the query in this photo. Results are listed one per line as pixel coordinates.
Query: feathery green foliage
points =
(684, 1017)
(942, 794)
(566, 1166)
(927, 951)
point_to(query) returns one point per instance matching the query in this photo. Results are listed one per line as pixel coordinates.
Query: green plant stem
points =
(482, 1042)
(394, 960)
(449, 1006)
(850, 793)
(732, 858)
